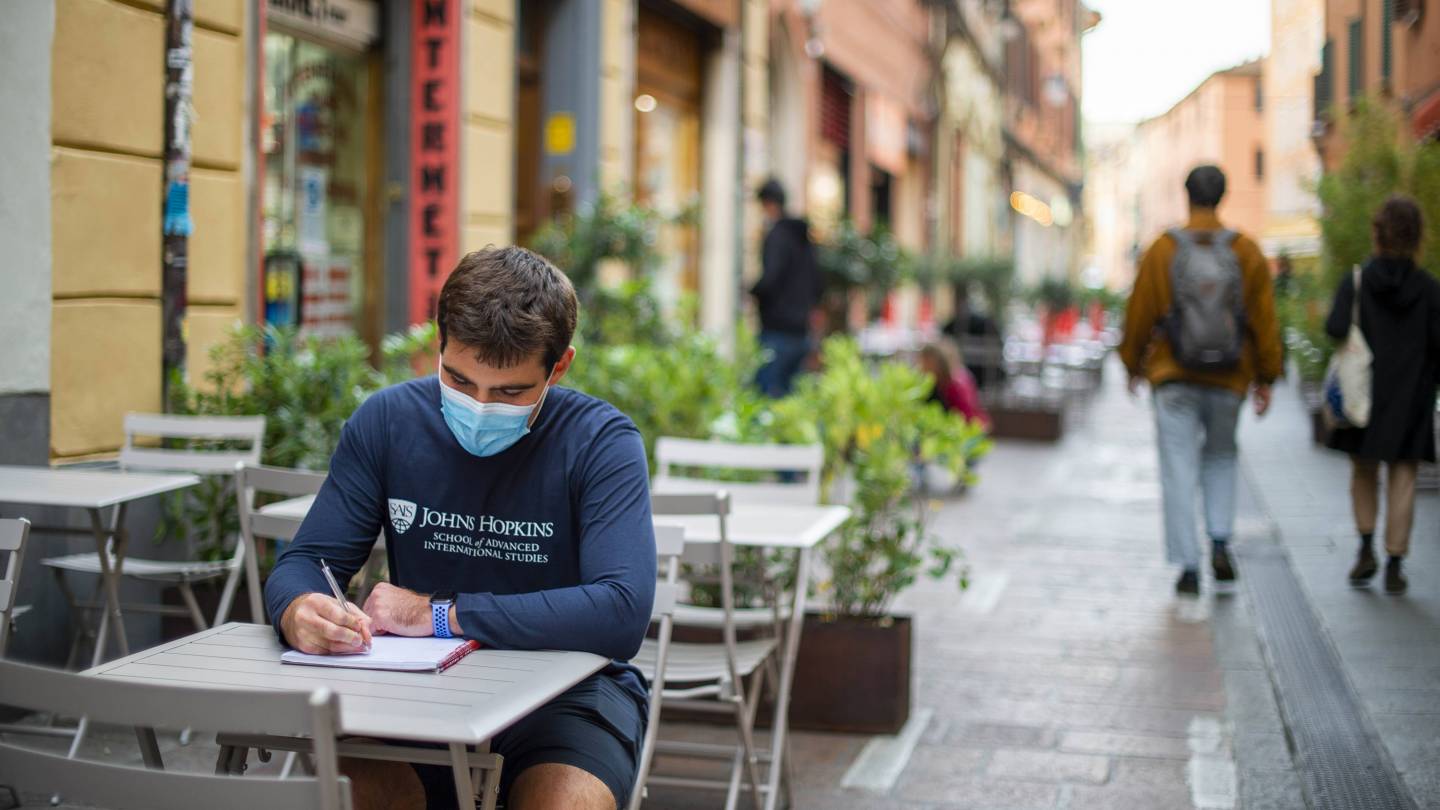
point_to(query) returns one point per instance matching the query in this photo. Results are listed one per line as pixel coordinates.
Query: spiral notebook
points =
(394, 654)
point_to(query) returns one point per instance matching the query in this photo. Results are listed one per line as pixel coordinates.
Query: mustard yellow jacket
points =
(1146, 351)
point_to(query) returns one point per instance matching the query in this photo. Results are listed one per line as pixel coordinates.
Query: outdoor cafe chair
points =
(148, 707)
(14, 532)
(257, 525)
(669, 544)
(722, 677)
(218, 461)
(790, 476)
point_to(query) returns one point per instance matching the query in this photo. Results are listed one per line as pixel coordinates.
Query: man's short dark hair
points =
(508, 304)
(1399, 227)
(772, 191)
(1205, 185)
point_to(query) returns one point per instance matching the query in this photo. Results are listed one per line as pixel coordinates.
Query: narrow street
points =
(1070, 675)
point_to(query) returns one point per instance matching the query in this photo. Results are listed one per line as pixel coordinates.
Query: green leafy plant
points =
(610, 228)
(851, 260)
(992, 276)
(306, 387)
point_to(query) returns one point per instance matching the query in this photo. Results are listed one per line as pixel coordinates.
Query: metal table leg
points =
(105, 541)
(779, 740)
(460, 765)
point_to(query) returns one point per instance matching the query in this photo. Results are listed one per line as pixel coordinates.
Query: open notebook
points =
(394, 653)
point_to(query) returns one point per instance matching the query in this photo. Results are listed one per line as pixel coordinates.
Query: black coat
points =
(1400, 317)
(790, 284)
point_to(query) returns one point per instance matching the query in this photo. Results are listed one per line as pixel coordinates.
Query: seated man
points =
(515, 513)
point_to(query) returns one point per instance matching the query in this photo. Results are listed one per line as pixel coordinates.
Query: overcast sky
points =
(1148, 54)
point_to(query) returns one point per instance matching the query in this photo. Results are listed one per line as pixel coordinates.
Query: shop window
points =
(314, 144)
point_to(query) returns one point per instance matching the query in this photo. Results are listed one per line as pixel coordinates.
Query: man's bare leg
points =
(553, 786)
(378, 785)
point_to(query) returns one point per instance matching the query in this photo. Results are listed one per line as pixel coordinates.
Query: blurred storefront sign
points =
(355, 23)
(434, 145)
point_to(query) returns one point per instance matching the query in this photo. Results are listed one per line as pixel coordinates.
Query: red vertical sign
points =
(434, 152)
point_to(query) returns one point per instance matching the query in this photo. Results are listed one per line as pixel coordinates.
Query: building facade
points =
(1297, 32)
(1384, 49)
(1220, 122)
(1043, 135)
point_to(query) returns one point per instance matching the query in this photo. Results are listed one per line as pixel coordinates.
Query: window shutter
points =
(1356, 58)
(1324, 81)
(835, 100)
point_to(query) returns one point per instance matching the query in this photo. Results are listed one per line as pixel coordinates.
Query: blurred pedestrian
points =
(1201, 328)
(788, 290)
(1399, 306)
(954, 390)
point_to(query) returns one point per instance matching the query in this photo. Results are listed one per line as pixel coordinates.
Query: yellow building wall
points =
(487, 124)
(107, 177)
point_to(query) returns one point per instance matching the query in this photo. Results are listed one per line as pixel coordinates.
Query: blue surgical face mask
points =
(486, 428)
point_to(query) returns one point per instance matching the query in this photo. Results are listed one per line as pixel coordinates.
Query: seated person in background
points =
(516, 513)
(955, 390)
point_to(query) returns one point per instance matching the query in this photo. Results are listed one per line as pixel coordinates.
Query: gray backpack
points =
(1206, 322)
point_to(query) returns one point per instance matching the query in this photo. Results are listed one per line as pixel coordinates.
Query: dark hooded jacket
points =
(789, 286)
(1400, 318)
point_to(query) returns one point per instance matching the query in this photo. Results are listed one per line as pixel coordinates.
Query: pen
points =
(335, 589)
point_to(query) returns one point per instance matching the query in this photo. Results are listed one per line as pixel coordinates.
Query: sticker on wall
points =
(560, 133)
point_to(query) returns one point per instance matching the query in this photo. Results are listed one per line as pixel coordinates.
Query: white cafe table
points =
(796, 528)
(92, 490)
(466, 705)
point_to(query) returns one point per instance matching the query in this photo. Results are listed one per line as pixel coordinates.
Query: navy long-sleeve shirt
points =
(548, 545)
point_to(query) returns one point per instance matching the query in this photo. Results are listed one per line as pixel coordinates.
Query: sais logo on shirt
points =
(402, 514)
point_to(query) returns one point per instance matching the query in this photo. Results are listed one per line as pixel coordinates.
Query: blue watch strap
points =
(440, 618)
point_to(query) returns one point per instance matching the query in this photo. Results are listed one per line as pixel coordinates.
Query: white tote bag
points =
(1348, 379)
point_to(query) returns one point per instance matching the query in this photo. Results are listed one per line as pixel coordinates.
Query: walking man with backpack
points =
(1200, 327)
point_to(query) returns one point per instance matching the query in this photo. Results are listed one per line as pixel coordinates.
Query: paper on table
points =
(396, 653)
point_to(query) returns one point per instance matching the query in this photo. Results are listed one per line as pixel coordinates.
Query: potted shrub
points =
(877, 426)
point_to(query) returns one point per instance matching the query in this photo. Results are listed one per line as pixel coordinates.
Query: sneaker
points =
(1364, 568)
(1395, 581)
(1189, 583)
(1224, 568)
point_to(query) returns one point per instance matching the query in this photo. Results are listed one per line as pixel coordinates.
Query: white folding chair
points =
(792, 474)
(201, 461)
(149, 706)
(14, 532)
(257, 525)
(724, 677)
(669, 544)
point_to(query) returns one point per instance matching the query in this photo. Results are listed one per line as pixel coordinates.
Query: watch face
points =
(442, 596)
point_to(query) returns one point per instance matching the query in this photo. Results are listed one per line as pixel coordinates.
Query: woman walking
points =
(1400, 318)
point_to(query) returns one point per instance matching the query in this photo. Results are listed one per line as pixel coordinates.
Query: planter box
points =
(872, 696)
(1036, 423)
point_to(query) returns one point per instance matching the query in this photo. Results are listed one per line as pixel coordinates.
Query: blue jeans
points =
(1195, 431)
(786, 354)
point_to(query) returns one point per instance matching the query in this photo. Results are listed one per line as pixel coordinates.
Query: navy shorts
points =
(597, 726)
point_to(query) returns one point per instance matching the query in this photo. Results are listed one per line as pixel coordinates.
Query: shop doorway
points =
(668, 103)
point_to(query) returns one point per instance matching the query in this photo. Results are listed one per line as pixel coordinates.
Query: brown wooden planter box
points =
(871, 695)
(1036, 423)
(853, 675)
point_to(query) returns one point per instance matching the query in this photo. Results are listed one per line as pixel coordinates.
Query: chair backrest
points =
(250, 479)
(192, 460)
(716, 505)
(13, 534)
(794, 469)
(669, 545)
(150, 706)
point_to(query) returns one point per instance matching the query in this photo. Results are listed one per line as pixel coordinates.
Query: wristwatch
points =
(440, 603)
